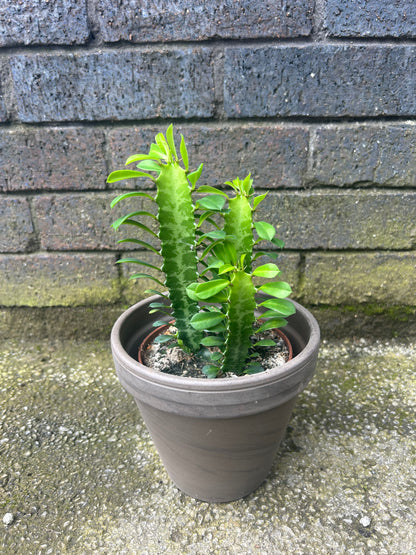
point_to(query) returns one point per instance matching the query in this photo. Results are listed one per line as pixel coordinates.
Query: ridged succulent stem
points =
(239, 322)
(177, 236)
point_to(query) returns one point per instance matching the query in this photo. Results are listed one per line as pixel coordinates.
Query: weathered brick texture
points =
(320, 80)
(16, 228)
(149, 21)
(83, 222)
(116, 85)
(52, 159)
(342, 219)
(43, 22)
(370, 18)
(366, 155)
(352, 278)
(317, 100)
(58, 279)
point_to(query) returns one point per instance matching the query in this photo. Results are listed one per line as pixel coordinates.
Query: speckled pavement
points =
(79, 474)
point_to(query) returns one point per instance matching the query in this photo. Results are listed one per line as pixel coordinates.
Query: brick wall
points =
(316, 99)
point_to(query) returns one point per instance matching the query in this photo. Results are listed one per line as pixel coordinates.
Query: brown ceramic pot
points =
(217, 438)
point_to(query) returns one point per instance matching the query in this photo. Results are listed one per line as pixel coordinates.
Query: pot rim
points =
(232, 384)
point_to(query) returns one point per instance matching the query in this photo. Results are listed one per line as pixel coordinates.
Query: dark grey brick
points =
(16, 228)
(275, 155)
(3, 111)
(6, 94)
(387, 278)
(58, 279)
(365, 155)
(116, 85)
(83, 221)
(52, 22)
(149, 21)
(370, 18)
(322, 219)
(324, 80)
(33, 158)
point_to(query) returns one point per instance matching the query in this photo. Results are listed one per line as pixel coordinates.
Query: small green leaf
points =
(184, 153)
(265, 343)
(279, 289)
(158, 323)
(282, 306)
(157, 305)
(271, 324)
(138, 158)
(257, 200)
(171, 140)
(137, 261)
(278, 243)
(120, 175)
(225, 268)
(219, 328)
(150, 166)
(210, 370)
(253, 368)
(216, 234)
(121, 220)
(208, 289)
(206, 320)
(267, 314)
(190, 291)
(272, 255)
(161, 143)
(207, 216)
(214, 264)
(209, 189)
(212, 202)
(139, 242)
(194, 176)
(163, 339)
(156, 152)
(233, 185)
(225, 251)
(265, 230)
(212, 341)
(246, 185)
(137, 224)
(131, 194)
(267, 270)
(220, 298)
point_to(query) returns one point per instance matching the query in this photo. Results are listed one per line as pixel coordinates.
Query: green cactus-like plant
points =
(217, 310)
(176, 227)
(233, 285)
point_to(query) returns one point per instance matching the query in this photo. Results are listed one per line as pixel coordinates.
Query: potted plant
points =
(216, 435)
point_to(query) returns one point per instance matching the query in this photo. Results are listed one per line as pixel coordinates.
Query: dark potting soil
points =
(173, 360)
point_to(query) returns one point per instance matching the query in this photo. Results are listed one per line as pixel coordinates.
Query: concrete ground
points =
(79, 474)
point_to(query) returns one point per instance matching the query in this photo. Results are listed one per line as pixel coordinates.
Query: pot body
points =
(217, 438)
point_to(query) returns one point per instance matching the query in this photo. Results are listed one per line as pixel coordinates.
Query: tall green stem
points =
(177, 236)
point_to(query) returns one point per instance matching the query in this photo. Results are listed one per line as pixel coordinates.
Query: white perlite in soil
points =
(173, 360)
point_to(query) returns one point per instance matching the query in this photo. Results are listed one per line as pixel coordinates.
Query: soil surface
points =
(173, 360)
